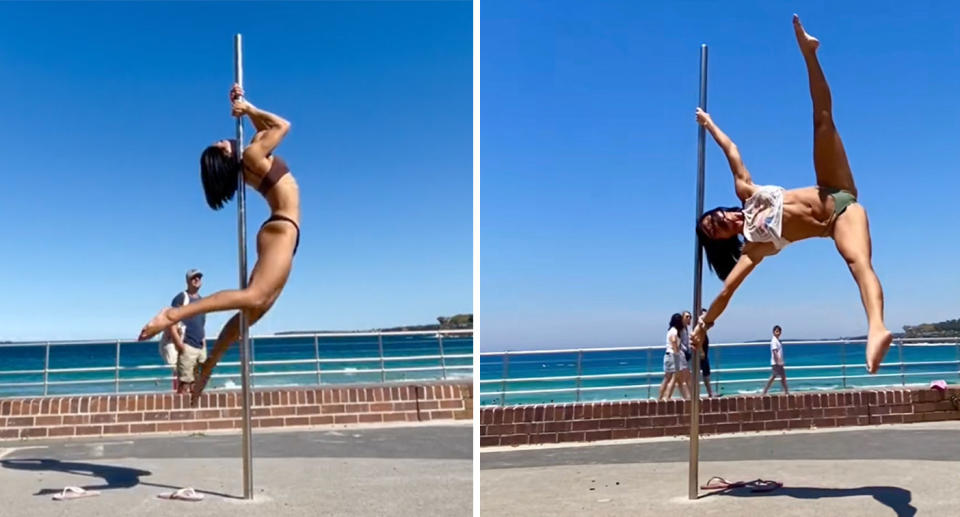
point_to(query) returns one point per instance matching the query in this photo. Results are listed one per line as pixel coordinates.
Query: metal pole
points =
(244, 329)
(694, 470)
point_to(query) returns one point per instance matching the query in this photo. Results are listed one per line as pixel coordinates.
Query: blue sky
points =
(107, 107)
(588, 163)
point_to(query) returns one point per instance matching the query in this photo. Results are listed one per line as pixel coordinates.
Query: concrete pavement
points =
(901, 470)
(404, 471)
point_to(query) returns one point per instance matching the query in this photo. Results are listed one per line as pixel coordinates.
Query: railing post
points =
(958, 358)
(383, 371)
(843, 362)
(316, 354)
(116, 371)
(649, 370)
(579, 372)
(443, 363)
(903, 376)
(503, 378)
(46, 369)
(716, 376)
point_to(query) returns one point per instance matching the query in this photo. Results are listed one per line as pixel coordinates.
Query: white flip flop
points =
(183, 494)
(74, 492)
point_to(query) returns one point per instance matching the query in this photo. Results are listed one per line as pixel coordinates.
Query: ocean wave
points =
(794, 386)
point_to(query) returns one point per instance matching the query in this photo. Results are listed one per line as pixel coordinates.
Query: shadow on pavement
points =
(113, 476)
(898, 499)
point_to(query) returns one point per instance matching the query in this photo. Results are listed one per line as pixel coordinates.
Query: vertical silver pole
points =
(694, 476)
(244, 330)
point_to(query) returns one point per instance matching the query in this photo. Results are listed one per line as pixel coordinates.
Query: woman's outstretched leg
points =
(851, 234)
(231, 299)
(269, 275)
(829, 156)
(275, 245)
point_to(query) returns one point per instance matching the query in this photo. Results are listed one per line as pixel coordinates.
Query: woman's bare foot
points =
(808, 44)
(878, 342)
(156, 325)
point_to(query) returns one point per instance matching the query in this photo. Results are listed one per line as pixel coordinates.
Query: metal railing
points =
(579, 384)
(315, 361)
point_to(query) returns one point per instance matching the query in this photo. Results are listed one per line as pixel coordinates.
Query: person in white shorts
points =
(776, 361)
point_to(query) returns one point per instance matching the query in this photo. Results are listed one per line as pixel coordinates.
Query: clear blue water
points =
(645, 367)
(338, 354)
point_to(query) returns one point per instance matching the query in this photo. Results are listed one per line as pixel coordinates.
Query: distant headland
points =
(455, 322)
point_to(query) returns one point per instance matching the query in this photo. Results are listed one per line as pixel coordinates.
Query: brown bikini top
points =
(277, 170)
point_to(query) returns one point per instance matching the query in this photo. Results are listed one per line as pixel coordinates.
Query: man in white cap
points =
(187, 337)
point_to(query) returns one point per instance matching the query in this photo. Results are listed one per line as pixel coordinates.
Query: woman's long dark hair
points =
(722, 254)
(676, 321)
(218, 173)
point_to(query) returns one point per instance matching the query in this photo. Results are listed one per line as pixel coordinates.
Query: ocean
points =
(344, 360)
(639, 372)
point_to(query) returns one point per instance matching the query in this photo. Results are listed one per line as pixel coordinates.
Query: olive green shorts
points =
(842, 200)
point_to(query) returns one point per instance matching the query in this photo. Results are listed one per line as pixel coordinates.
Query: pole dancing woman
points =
(773, 217)
(277, 240)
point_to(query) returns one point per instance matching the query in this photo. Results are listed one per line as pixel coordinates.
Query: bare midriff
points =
(806, 213)
(283, 198)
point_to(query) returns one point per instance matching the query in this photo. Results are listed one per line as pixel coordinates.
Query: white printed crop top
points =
(763, 216)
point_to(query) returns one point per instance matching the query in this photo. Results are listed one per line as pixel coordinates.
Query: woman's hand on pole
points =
(236, 92)
(703, 118)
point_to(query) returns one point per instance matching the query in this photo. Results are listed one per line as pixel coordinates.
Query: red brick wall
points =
(553, 423)
(51, 417)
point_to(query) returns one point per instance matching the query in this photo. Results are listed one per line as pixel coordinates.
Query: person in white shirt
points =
(686, 350)
(674, 363)
(776, 361)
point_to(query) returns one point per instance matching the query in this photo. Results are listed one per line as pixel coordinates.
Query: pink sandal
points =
(757, 485)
